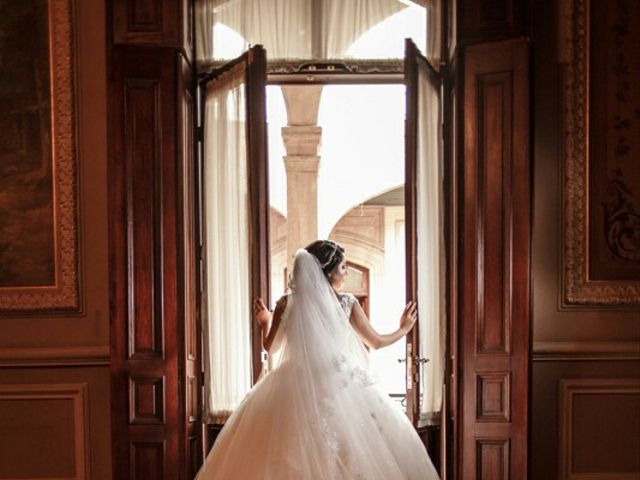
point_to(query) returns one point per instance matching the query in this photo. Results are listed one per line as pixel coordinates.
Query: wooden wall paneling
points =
(54, 356)
(143, 263)
(147, 459)
(191, 446)
(154, 22)
(570, 341)
(54, 375)
(606, 424)
(585, 351)
(145, 21)
(605, 442)
(494, 327)
(56, 417)
(490, 20)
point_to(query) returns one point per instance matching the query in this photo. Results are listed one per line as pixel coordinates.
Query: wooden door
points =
(425, 227)
(145, 265)
(250, 68)
(190, 351)
(494, 315)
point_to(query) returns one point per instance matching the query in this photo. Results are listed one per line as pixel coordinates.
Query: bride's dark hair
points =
(328, 253)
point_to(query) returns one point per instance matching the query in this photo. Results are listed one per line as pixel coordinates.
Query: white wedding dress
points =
(319, 414)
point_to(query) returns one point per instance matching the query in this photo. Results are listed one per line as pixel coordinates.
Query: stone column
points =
(301, 140)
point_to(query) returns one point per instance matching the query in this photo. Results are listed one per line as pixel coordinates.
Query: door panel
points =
(144, 272)
(423, 96)
(258, 190)
(494, 328)
(242, 82)
(426, 252)
(191, 351)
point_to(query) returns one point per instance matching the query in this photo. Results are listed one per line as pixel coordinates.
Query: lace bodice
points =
(347, 301)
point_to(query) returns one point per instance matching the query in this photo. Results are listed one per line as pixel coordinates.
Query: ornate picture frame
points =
(23, 286)
(601, 212)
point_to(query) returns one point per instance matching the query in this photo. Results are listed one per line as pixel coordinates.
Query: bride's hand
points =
(261, 313)
(408, 317)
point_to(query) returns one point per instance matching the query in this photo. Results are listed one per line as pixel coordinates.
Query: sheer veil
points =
(316, 346)
(314, 331)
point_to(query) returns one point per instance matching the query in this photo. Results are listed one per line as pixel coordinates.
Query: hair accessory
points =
(333, 254)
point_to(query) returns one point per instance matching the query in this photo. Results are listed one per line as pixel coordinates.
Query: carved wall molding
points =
(578, 287)
(63, 295)
(568, 390)
(54, 356)
(338, 66)
(78, 394)
(585, 351)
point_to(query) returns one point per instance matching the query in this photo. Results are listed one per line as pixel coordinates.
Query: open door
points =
(426, 255)
(234, 216)
(494, 318)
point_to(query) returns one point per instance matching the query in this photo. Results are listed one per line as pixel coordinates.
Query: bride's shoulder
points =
(347, 298)
(348, 295)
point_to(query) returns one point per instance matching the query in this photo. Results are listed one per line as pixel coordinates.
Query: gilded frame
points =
(63, 295)
(578, 287)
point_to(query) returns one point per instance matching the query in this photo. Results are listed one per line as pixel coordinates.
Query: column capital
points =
(302, 140)
(302, 102)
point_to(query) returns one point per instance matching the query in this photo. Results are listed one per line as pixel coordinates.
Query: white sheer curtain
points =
(204, 29)
(283, 27)
(343, 21)
(431, 252)
(226, 212)
(288, 29)
(434, 32)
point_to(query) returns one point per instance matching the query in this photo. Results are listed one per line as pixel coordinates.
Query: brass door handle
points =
(416, 360)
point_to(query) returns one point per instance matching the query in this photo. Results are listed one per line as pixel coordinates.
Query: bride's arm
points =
(376, 340)
(269, 333)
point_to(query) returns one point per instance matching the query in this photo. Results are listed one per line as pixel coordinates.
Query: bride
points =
(319, 413)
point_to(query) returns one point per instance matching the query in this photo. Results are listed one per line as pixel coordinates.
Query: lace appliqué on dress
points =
(357, 374)
(347, 300)
(323, 422)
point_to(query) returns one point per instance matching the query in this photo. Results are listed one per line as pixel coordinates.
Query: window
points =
(353, 168)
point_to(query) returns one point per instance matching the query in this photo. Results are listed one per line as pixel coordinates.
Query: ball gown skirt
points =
(353, 431)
